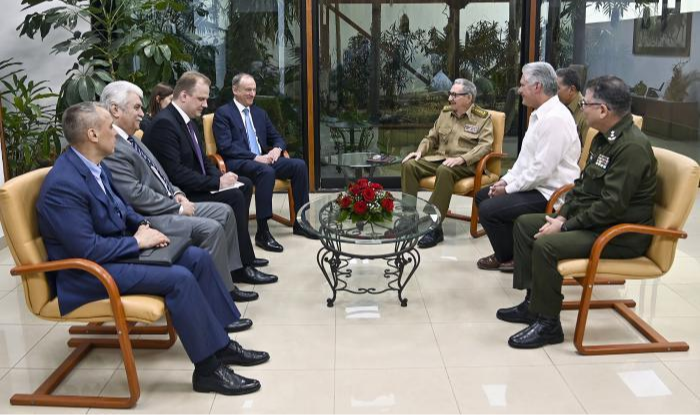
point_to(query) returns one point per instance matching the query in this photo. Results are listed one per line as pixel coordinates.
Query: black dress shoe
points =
(240, 296)
(241, 324)
(224, 381)
(544, 331)
(260, 262)
(251, 275)
(234, 354)
(298, 230)
(431, 238)
(519, 313)
(265, 241)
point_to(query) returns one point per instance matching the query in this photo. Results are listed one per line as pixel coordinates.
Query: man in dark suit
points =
(142, 181)
(81, 215)
(252, 147)
(173, 139)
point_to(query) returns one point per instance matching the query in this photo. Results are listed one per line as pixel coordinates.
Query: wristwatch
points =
(563, 227)
(145, 222)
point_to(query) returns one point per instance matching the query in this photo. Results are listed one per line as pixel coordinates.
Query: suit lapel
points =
(184, 131)
(92, 185)
(238, 120)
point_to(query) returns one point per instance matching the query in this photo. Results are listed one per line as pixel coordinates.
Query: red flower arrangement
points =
(365, 201)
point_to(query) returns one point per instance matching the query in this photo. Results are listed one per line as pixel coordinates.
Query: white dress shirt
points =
(241, 107)
(549, 154)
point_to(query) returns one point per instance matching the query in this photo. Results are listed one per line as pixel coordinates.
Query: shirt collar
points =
(575, 104)
(240, 106)
(121, 133)
(467, 114)
(95, 169)
(548, 106)
(182, 113)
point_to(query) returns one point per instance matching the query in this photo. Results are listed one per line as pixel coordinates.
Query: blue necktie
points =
(252, 140)
(159, 174)
(119, 206)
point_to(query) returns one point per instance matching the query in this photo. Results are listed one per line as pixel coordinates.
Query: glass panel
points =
(649, 45)
(263, 38)
(385, 68)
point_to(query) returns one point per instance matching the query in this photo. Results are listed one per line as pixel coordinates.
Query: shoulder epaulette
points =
(446, 108)
(479, 112)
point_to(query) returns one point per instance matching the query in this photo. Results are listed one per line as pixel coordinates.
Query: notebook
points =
(161, 256)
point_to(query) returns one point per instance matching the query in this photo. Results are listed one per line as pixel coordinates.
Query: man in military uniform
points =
(618, 185)
(569, 84)
(461, 136)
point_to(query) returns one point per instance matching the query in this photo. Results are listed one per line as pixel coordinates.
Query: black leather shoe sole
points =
(512, 315)
(244, 362)
(266, 245)
(260, 262)
(535, 341)
(304, 233)
(257, 278)
(239, 325)
(429, 242)
(242, 385)
(240, 296)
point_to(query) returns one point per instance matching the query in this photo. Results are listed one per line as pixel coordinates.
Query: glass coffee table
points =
(359, 163)
(393, 241)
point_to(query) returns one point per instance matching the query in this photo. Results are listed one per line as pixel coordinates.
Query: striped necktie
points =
(154, 167)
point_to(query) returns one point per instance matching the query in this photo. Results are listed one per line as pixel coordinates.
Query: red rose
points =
(368, 194)
(362, 183)
(376, 186)
(356, 190)
(388, 204)
(360, 207)
(345, 202)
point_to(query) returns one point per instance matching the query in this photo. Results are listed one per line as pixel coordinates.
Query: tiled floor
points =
(444, 353)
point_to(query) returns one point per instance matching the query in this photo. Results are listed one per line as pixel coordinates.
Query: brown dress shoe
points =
(508, 266)
(488, 263)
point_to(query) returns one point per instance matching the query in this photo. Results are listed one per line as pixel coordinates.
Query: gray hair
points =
(468, 86)
(78, 118)
(117, 93)
(543, 73)
(238, 78)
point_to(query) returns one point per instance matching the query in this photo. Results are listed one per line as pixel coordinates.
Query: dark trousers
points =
(239, 200)
(536, 259)
(264, 175)
(498, 214)
(199, 304)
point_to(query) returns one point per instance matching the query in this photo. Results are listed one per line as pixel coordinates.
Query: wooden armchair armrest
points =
(617, 230)
(218, 162)
(90, 267)
(481, 166)
(556, 195)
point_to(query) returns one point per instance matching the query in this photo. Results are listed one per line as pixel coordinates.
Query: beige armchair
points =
(488, 171)
(17, 212)
(215, 157)
(677, 185)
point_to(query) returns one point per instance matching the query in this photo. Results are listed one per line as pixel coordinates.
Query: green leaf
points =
(148, 51)
(86, 89)
(165, 49)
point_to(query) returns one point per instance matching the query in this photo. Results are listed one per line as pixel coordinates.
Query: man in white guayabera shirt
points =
(548, 159)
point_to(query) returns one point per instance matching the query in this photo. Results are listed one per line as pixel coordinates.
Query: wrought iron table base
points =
(402, 264)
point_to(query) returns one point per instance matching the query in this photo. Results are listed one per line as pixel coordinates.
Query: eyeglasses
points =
(455, 94)
(584, 104)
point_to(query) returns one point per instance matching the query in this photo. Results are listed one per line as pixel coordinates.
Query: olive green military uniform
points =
(580, 119)
(618, 185)
(469, 137)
